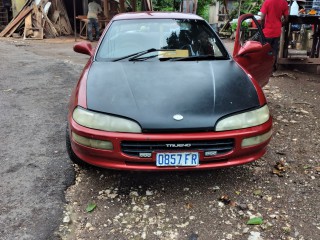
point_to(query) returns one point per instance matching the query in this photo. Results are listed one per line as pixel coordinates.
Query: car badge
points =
(177, 117)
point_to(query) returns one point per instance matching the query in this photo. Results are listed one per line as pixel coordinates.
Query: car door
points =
(251, 51)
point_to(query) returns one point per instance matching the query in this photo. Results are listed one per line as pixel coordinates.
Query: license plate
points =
(177, 159)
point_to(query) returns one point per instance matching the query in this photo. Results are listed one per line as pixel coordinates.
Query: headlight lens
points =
(104, 122)
(244, 120)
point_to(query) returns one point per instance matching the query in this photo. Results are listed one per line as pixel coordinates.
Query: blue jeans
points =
(93, 23)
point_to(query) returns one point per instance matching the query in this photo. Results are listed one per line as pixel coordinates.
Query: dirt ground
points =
(279, 192)
(281, 189)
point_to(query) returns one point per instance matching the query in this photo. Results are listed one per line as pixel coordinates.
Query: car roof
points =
(155, 15)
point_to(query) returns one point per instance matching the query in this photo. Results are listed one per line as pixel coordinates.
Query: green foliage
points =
(204, 12)
(165, 5)
(248, 6)
(255, 221)
(234, 26)
(91, 207)
(244, 26)
(256, 8)
(203, 8)
(252, 6)
(167, 9)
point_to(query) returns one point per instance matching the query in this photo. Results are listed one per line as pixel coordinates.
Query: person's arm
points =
(264, 11)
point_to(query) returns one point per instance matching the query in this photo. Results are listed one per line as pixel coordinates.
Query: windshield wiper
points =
(142, 58)
(200, 57)
(135, 56)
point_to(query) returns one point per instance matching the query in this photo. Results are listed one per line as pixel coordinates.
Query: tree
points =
(252, 6)
(203, 8)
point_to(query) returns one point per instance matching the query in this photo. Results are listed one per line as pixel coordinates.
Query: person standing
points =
(93, 10)
(274, 13)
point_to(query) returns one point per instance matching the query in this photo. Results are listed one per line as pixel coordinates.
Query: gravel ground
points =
(35, 169)
(276, 197)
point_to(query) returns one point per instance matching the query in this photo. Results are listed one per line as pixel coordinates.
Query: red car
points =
(161, 92)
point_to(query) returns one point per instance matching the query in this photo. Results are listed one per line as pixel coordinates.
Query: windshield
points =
(186, 37)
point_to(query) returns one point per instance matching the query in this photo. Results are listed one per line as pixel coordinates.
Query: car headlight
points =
(104, 122)
(244, 120)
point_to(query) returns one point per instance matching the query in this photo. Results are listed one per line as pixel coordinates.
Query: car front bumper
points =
(118, 159)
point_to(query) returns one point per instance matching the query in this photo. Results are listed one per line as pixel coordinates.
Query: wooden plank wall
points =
(36, 22)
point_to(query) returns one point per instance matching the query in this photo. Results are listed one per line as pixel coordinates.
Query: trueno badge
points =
(177, 117)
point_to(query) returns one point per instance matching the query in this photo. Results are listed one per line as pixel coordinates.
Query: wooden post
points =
(239, 10)
(74, 20)
(106, 8)
(134, 5)
(225, 2)
(122, 8)
(282, 37)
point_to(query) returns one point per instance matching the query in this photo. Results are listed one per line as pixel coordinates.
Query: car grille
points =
(134, 148)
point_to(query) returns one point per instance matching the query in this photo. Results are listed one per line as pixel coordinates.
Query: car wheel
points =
(73, 157)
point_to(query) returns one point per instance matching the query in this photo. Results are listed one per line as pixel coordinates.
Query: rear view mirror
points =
(84, 48)
(250, 47)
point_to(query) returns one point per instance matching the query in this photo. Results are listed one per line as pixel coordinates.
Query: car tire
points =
(73, 157)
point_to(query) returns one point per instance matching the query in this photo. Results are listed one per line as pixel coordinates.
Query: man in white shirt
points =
(93, 10)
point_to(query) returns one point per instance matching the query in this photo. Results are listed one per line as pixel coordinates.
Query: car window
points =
(189, 37)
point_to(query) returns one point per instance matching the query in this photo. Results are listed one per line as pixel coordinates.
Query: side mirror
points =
(249, 47)
(84, 48)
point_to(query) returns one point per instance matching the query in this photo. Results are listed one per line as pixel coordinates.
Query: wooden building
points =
(52, 18)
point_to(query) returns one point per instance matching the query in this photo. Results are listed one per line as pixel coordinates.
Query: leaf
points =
(189, 206)
(280, 168)
(255, 221)
(257, 192)
(91, 207)
(277, 172)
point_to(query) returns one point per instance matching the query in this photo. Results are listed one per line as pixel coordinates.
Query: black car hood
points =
(151, 93)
